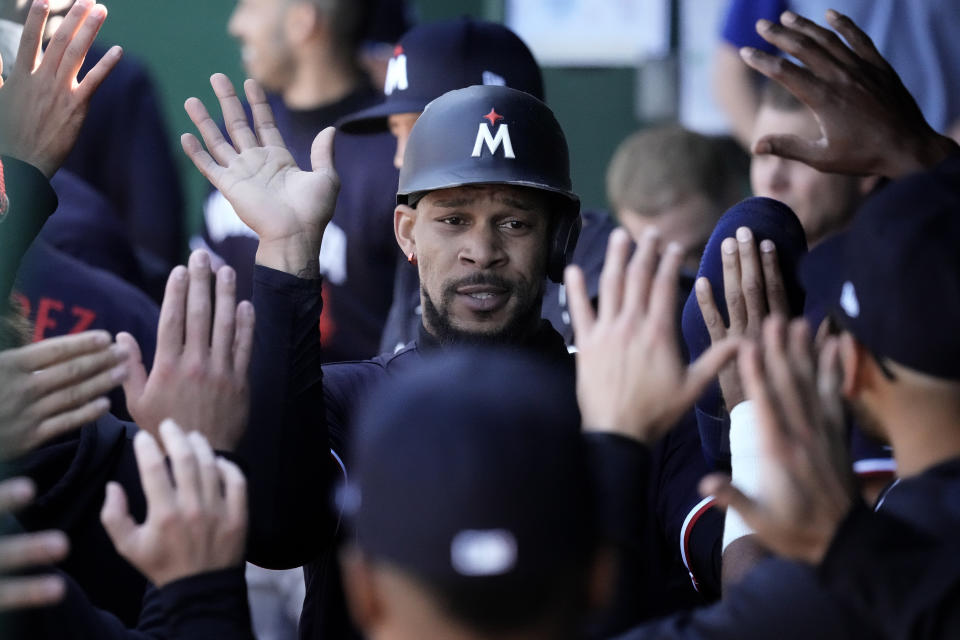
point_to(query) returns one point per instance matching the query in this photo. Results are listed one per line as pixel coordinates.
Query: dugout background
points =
(183, 42)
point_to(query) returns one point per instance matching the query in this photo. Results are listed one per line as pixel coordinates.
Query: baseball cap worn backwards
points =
(437, 57)
(469, 473)
(896, 282)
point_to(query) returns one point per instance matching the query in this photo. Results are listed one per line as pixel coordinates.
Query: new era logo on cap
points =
(493, 142)
(489, 552)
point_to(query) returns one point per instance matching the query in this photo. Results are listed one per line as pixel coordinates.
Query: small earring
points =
(412, 258)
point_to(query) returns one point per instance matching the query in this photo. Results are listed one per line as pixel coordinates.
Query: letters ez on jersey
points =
(493, 142)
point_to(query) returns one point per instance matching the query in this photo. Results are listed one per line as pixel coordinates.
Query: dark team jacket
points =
(784, 600)
(87, 227)
(199, 607)
(359, 252)
(123, 151)
(61, 295)
(295, 463)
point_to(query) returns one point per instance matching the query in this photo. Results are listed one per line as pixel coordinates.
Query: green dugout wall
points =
(183, 42)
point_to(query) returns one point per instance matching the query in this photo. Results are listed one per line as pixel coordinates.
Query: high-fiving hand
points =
(55, 385)
(196, 512)
(869, 122)
(199, 374)
(287, 207)
(806, 485)
(631, 377)
(42, 105)
(753, 288)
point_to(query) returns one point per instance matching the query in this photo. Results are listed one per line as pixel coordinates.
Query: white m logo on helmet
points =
(396, 73)
(493, 142)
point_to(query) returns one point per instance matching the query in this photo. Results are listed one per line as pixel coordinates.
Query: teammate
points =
(675, 180)
(304, 52)
(438, 551)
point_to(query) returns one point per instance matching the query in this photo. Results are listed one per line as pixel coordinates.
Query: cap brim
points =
(374, 119)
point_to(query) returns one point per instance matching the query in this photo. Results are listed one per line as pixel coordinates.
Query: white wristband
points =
(744, 464)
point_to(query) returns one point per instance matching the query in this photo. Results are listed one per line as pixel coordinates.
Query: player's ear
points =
(404, 219)
(853, 360)
(359, 585)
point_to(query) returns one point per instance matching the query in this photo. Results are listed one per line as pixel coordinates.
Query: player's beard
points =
(523, 322)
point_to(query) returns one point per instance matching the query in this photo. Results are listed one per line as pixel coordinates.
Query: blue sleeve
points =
(739, 26)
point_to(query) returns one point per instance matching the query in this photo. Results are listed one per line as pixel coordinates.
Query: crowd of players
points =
(757, 436)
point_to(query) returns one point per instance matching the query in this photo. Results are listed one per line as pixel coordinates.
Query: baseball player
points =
(430, 60)
(485, 212)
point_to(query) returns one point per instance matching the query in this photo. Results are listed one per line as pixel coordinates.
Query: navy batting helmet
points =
(494, 135)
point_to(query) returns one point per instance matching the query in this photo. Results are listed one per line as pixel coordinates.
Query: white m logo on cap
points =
(396, 73)
(493, 142)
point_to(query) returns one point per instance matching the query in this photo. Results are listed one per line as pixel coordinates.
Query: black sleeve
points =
(31, 201)
(208, 605)
(620, 467)
(285, 450)
(906, 581)
(778, 599)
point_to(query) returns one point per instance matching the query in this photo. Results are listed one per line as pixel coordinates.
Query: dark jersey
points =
(87, 227)
(359, 252)
(61, 295)
(314, 454)
(123, 151)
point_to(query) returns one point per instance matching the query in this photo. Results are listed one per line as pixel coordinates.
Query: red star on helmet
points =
(493, 116)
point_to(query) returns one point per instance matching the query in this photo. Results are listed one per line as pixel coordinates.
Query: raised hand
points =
(806, 486)
(42, 105)
(199, 374)
(196, 519)
(25, 550)
(287, 207)
(53, 386)
(631, 377)
(869, 122)
(753, 288)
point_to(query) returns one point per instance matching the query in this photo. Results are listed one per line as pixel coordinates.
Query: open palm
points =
(257, 174)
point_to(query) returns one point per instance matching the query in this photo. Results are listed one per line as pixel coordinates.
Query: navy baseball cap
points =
(895, 281)
(434, 58)
(767, 219)
(469, 473)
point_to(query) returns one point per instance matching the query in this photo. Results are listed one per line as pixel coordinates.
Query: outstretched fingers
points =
(218, 147)
(263, 119)
(859, 41)
(80, 44)
(612, 275)
(32, 37)
(54, 53)
(581, 311)
(234, 117)
(95, 77)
